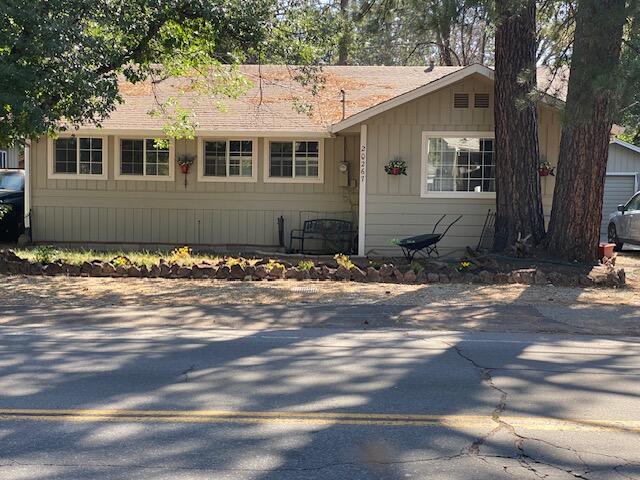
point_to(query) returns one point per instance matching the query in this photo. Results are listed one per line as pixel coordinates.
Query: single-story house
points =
(259, 159)
(9, 157)
(622, 180)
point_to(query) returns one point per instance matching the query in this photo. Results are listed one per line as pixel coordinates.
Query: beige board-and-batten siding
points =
(394, 206)
(168, 213)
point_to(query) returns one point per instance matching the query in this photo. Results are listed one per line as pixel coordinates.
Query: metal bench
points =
(335, 236)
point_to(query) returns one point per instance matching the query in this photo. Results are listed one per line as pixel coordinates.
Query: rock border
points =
(600, 276)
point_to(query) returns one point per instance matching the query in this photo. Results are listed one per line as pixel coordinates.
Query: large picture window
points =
(296, 160)
(144, 157)
(458, 165)
(78, 156)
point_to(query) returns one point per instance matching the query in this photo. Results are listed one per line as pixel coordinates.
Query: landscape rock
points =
(443, 278)
(342, 273)
(261, 272)
(373, 275)
(357, 275)
(52, 269)
(410, 276)
(433, 277)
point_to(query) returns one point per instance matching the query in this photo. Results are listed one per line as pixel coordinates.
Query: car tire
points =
(612, 234)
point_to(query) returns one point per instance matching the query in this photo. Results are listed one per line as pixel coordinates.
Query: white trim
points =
(423, 163)
(52, 175)
(227, 179)
(624, 144)
(267, 161)
(362, 193)
(27, 186)
(442, 82)
(144, 177)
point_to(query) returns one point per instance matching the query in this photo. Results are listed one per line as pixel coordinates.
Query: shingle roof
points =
(270, 103)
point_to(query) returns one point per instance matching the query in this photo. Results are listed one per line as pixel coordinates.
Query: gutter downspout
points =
(27, 189)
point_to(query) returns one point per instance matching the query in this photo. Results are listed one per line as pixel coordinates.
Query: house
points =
(260, 159)
(10, 157)
(622, 180)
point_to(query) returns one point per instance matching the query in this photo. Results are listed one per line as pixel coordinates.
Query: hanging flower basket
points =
(396, 167)
(545, 169)
(185, 161)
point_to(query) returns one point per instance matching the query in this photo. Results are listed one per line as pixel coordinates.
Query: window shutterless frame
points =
(293, 178)
(227, 178)
(51, 158)
(424, 193)
(144, 176)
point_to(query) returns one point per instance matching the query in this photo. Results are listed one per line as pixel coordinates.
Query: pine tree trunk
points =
(344, 43)
(594, 83)
(518, 195)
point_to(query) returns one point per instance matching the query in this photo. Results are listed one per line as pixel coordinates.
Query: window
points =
(77, 156)
(296, 160)
(460, 100)
(457, 165)
(3, 159)
(634, 203)
(228, 158)
(144, 157)
(481, 100)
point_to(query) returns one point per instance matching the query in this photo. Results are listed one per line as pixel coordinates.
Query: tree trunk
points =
(594, 84)
(344, 44)
(518, 195)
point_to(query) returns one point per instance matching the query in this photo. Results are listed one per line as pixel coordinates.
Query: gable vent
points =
(460, 100)
(481, 100)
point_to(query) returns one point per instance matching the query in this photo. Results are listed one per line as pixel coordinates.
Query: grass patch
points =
(139, 258)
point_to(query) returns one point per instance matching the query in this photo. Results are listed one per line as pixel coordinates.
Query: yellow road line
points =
(314, 418)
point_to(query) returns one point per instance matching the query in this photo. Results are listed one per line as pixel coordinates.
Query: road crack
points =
(525, 460)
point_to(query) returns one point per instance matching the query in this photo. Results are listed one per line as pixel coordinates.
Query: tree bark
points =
(518, 195)
(593, 95)
(344, 44)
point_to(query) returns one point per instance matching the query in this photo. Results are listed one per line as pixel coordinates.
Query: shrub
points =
(4, 210)
(180, 255)
(121, 261)
(271, 264)
(44, 254)
(305, 265)
(343, 261)
(417, 267)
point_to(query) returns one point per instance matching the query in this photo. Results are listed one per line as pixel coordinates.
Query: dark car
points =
(11, 204)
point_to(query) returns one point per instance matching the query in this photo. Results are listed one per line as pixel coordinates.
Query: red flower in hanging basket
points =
(184, 168)
(396, 167)
(395, 171)
(545, 169)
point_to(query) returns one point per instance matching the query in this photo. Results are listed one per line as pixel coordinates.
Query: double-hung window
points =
(227, 160)
(145, 158)
(78, 157)
(294, 161)
(458, 165)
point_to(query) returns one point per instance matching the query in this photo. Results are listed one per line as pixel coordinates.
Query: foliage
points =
(44, 254)
(63, 60)
(180, 255)
(417, 267)
(186, 160)
(271, 264)
(396, 165)
(344, 261)
(464, 265)
(305, 265)
(121, 261)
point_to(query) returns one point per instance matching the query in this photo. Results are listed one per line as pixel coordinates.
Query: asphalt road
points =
(115, 402)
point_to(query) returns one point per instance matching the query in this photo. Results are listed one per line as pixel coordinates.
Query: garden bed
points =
(182, 263)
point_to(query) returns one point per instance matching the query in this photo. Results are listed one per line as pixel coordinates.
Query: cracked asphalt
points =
(365, 401)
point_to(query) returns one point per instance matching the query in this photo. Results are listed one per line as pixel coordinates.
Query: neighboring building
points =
(623, 178)
(261, 159)
(9, 157)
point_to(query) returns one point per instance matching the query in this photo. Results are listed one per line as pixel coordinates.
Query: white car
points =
(624, 225)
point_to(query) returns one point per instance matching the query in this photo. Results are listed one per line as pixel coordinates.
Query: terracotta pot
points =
(184, 169)
(606, 250)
